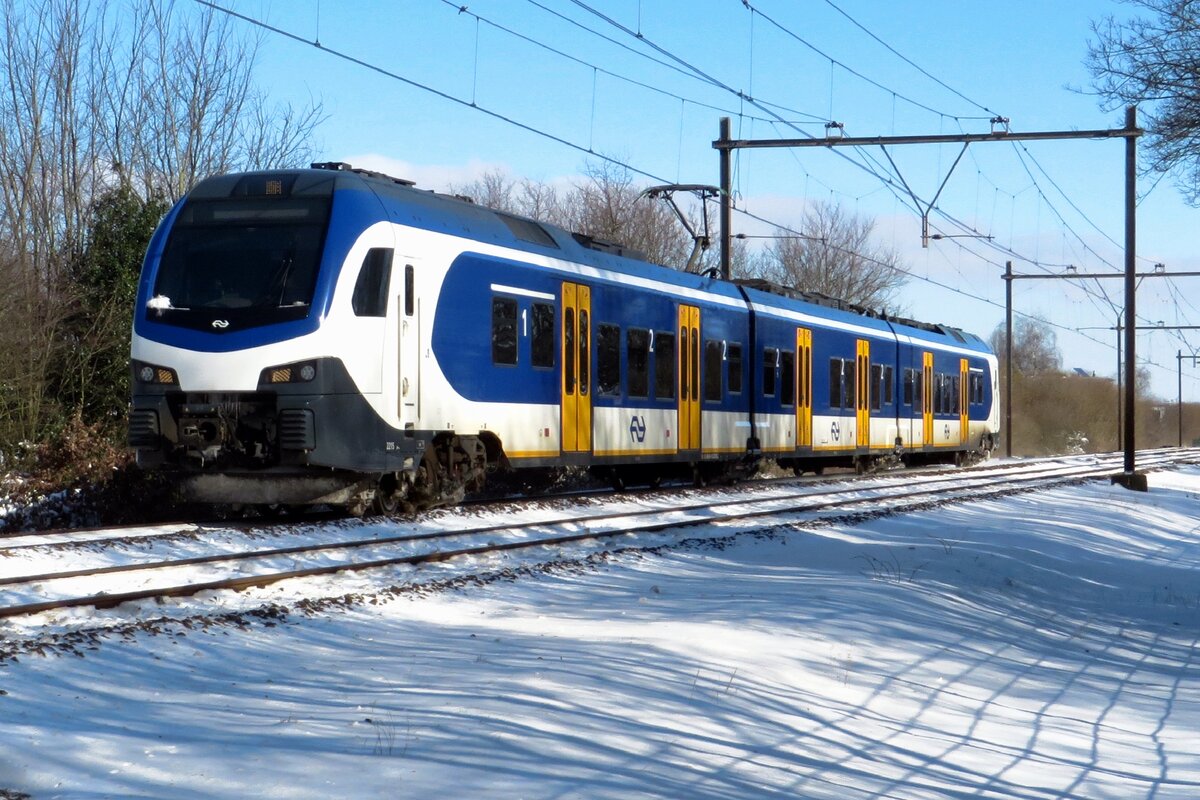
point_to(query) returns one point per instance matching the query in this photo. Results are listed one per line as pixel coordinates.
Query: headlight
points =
(300, 372)
(154, 375)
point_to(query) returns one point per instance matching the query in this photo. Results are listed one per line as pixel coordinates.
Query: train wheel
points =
(389, 496)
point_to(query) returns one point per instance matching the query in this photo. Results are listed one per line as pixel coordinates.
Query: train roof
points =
(456, 215)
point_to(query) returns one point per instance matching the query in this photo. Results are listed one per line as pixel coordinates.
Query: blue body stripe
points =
(461, 338)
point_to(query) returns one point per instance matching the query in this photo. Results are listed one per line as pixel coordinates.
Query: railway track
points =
(14, 542)
(769, 505)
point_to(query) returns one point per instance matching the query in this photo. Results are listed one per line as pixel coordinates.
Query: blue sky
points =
(654, 102)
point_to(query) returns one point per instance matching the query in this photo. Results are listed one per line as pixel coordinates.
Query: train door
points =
(964, 397)
(408, 333)
(927, 397)
(862, 398)
(689, 378)
(804, 387)
(576, 373)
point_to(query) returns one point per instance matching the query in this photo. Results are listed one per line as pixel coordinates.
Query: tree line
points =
(1065, 411)
(109, 112)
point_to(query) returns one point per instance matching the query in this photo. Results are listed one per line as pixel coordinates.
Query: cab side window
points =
(371, 289)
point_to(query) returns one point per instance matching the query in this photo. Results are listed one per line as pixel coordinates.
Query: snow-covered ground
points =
(1037, 646)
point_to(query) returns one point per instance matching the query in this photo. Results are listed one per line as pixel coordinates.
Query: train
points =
(335, 336)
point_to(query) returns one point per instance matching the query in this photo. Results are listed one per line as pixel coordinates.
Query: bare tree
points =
(494, 189)
(835, 256)
(604, 204)
(97, 95)
(1035, 346)
(1153, 61)
(607, 205)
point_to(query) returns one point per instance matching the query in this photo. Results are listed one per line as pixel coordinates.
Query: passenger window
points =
(542, 342)
(371, 288)
(684, 389)
(849, 386)
(638, 354)
(909, 385)
(889, 386)
(608, 360)
(835, 382)
(712, 370)
(585, 354)
(770, 362)
(876, 386)
(569, 350)
(504, 330)
(787, 377)
(733, 357)
(664, 366)
(409, 299)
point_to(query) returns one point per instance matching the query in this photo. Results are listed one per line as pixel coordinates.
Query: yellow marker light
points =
(281, 375)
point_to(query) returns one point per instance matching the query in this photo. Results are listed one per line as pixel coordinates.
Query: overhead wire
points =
(427, 88)
(834, 61)
(687, 65)
(909, 61)
(814, 119)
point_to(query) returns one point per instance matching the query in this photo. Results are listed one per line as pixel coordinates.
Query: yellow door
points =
(804, 387)
(862, 402)
(927, 398)
(964, 397)
(576, 360)
(689, 378)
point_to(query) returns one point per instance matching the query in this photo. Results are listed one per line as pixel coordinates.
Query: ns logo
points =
(835, 432)
(637, 429)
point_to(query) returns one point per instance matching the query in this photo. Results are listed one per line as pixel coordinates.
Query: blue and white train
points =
(332, 335)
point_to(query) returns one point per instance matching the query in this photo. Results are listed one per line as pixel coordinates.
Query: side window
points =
(889, 385)
(919, 390)
(937, 392)
(371, 288)
(787, 377)
(637, 348)
(835, 383)
(712, 370)
(733, 356)
(910, 378)
(504, 330)
(770, 356)
(876, 386)
(849, 384)
(585, 354)
(409, 290)
(542, 342)
(664, 366)
(569, 350)
(608, 359)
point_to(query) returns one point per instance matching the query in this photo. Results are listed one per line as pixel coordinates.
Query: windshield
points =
(249, 261)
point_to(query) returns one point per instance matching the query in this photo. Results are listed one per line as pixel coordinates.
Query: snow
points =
(1036, 646)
